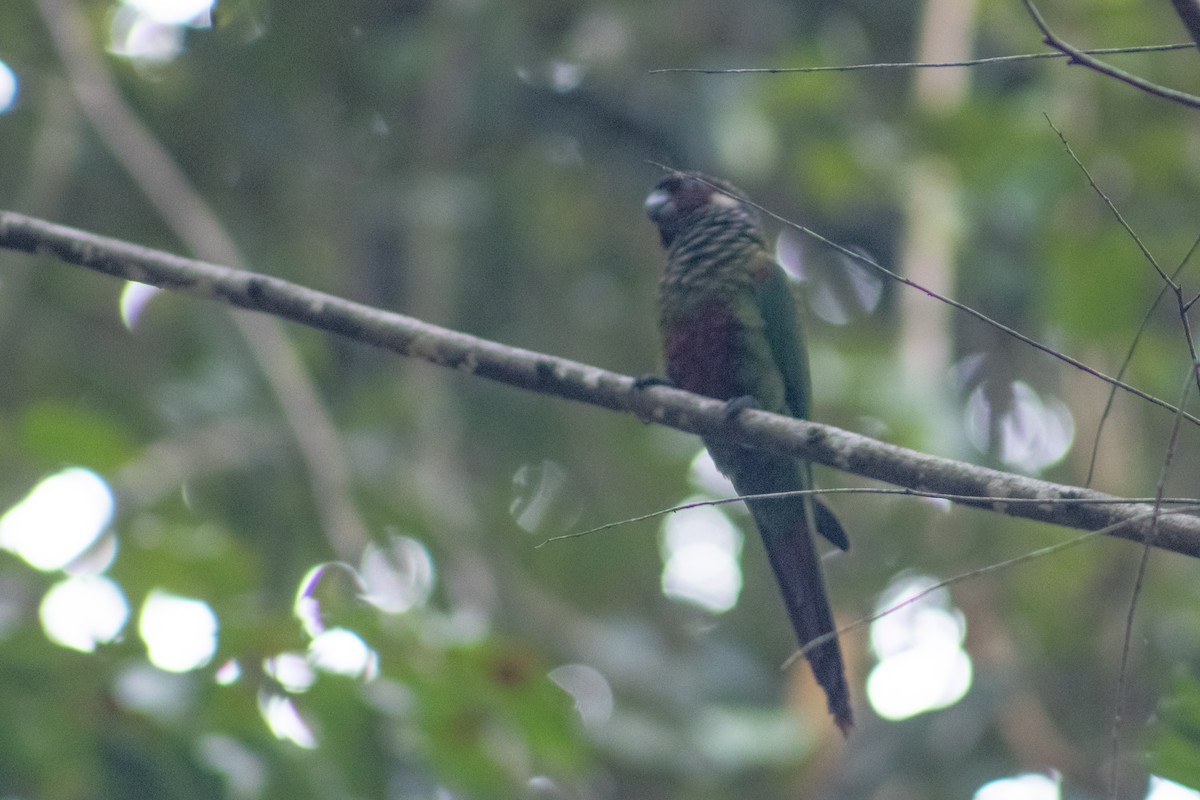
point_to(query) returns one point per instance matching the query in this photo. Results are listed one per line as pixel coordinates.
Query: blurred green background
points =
(482, 165)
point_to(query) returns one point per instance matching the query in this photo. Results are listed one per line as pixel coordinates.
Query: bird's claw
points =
(737, 405)
(648, 380)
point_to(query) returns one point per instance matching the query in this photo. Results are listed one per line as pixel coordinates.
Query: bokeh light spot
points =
(172, 12)
(83, 612)
(590, 689)
(1029, 786)
(228, 673)
(1032, 433)
(285, 721)
(166, 695)
(922, 664)
(541, 497)
(343, 652)
(8, 87)
(701, 552)
(291, 670)
(398, 576)
(244, 771)
(704, 476)
(134, 35)
(59, 519)
(326, 591)
(180, 633)
(1163, 789)
(841, 288)
(134, 299)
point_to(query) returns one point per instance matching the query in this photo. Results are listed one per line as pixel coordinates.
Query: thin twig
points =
(1111, 207)
(1137, 337)
(1170, 284)
(974, 62)
(1030, 556)
(952, 498)
(1135, 595)
(1077, 56)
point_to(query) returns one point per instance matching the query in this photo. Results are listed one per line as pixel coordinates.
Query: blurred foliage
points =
(1178, 739)
(482, 165)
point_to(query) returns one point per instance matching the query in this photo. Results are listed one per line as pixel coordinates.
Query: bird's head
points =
(686, 199)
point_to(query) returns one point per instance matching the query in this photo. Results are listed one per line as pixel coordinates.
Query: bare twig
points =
(974, 62)
(965, 499)
(1136, 593)
(1077, 56)
(961, 577)
(1137, 337)
(1137, 240)
(823, 444)
(1172, 285)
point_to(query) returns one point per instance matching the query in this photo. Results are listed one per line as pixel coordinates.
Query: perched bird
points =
(730, 331)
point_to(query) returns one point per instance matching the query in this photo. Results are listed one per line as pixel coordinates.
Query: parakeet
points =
(730, 331)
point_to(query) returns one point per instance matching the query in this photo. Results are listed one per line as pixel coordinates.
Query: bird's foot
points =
(647, 380)
(736, 405)
(642, 382)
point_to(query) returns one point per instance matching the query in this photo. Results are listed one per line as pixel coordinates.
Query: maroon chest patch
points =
(701, 352)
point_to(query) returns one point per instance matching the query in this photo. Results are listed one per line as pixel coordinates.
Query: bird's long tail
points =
(785, 526)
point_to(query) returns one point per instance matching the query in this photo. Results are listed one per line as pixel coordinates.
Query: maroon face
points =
(673, 203)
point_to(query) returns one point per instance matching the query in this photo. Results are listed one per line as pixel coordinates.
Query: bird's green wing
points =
(782, 328)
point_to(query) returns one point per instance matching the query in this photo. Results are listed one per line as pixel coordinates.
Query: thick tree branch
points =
(525, 369)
